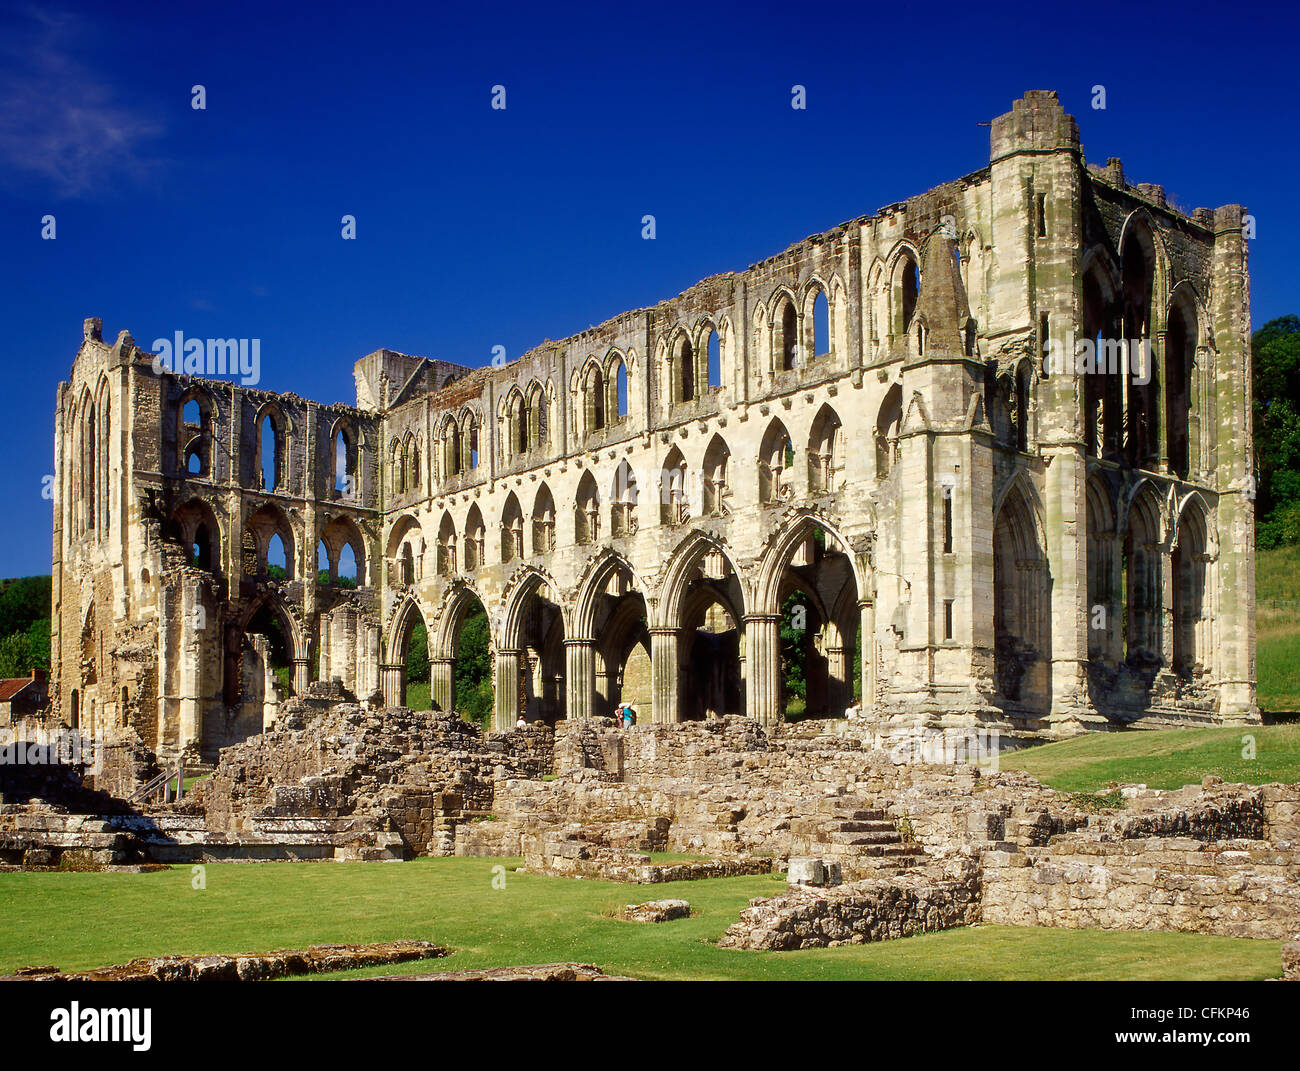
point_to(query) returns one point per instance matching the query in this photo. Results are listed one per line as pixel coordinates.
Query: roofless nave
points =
(863, 421)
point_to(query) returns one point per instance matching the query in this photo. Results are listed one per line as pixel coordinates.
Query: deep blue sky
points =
(479, 228)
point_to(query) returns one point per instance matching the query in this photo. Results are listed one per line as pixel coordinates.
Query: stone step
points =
(866, 838)
(869, 868)
(862, 826)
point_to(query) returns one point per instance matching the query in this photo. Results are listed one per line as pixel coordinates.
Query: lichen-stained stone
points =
(895, 428)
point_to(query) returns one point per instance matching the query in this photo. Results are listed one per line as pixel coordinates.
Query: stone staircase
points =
(862, 839)
(177, 837)
(35, 837)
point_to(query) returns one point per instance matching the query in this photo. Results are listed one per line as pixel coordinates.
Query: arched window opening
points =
(345, 466)
(888, 423)
(910, 288)
(716, 493)
(277, 559)
(594, 394)
(685, 360)
(674, 504)
(821, 326)
(475, 539)
(715, 360)
(1020, 413)
(348, 572)
(512, 530)
(1101, 551)
(543, 521)
(194, 462)
(1191, 612)
(517, 429)
(586, 512)
(398, 467)
(786, 335)
(451, 449)
(623, 499)
(447, 561)
(192, 414)
(539, 433)
(407, 570)
(201, 548)
(269, 441)
(1142, 419)
(823, 451)
(620, 384)
(776, 459)
(1142, 567)
(1180, 346)
(1021, 603)
(411, 451)
(473, 442)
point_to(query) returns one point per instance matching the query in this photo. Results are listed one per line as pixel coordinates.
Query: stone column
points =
(867, 630)
(301, 675)
(194, 624)
(663, 672)
(762, 649)
(839, 681)
(1234, 467)
(505, 689)
(580, 679)
(442, 683)
(392, 676)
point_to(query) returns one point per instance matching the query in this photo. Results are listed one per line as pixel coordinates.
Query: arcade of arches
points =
(845, 475)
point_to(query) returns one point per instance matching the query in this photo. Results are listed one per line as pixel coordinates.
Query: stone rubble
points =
(657, 911)
(255, 967)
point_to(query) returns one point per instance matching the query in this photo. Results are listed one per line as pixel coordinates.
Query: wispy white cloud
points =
(60, 120)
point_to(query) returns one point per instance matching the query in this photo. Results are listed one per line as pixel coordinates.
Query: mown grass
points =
(1277, 625)
(81, 920)
(1164, 758)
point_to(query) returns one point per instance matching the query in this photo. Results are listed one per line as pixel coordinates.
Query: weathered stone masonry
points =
(864, 422)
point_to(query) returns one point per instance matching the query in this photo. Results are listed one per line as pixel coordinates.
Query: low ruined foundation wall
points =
(1233, 889)
(876, 909)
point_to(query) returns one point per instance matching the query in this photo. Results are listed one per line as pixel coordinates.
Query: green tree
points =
(474, 669)
(417, 654)
(24, 601)
(1276, 351)
(793, 634)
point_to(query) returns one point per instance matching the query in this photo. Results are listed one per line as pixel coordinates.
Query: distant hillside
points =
(24, 625)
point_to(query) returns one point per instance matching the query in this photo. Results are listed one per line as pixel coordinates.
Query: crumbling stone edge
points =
(259, 967)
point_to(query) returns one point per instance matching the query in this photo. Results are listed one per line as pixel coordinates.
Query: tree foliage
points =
(1276, 351)
(474, 669)
(24, 625)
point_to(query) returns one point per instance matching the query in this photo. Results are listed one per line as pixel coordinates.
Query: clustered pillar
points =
(580, 677)
(506, 689)
(664, 674)
(762, 657)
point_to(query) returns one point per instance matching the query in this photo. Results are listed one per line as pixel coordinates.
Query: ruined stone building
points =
(861, 436)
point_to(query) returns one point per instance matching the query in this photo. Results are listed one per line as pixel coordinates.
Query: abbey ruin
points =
(868, 426)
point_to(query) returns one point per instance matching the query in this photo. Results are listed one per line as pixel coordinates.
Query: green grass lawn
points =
(1164, 758)
(80, 920)
(1277, 628)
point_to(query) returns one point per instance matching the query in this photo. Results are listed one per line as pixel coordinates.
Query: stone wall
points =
(1231, 888)
(419, 773)
(875, 909)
